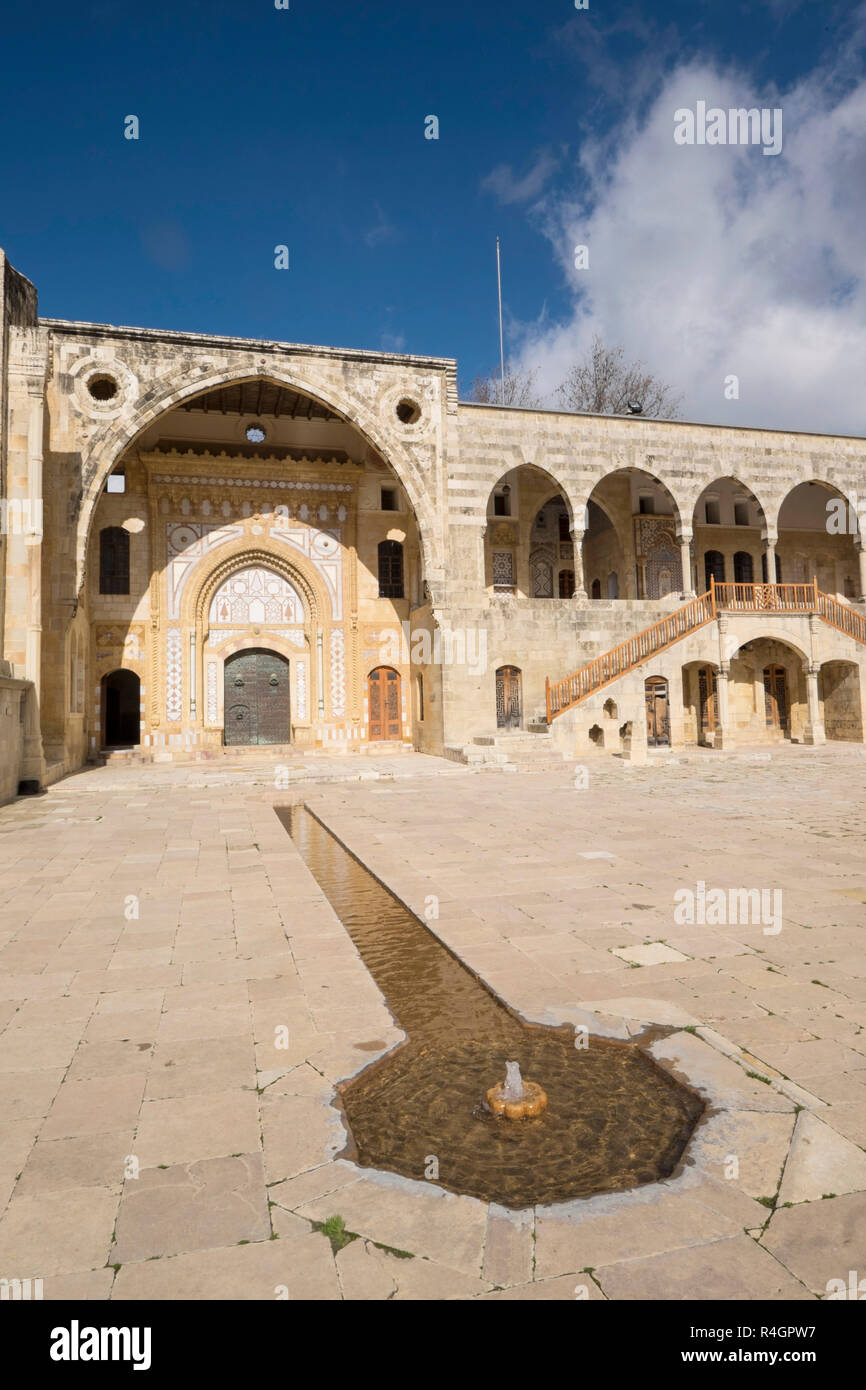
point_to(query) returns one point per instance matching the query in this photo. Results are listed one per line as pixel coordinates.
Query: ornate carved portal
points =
(257, 706)
(384, 704)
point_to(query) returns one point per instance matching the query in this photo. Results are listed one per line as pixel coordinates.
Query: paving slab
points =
(733, 1270)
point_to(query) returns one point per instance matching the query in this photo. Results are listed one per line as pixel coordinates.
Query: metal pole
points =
(501, 346)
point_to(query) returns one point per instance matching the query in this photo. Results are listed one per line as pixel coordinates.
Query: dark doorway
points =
(508, 711)
(658, 724)
(257, 708)
(121, 705)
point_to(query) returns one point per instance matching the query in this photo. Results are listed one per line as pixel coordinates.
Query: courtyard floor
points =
(158, 930)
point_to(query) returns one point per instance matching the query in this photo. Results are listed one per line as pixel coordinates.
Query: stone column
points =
(861, 557)
(770, 552)
(724, 735)
(580, 593)
(814, 731)
(684, 538)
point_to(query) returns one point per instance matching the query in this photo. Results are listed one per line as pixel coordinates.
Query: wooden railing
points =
(561, 695)
(841, 616)
(766, 598)
(743, 598)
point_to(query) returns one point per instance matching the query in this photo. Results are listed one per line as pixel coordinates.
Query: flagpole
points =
(501, 346)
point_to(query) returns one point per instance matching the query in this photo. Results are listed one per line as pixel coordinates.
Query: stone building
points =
(212, 542)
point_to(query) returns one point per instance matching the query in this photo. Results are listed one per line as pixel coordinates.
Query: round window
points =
(102, 388)
(408, 411)
(255, 434)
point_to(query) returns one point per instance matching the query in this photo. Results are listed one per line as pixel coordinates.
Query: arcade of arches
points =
(252, 592)
(242, 541)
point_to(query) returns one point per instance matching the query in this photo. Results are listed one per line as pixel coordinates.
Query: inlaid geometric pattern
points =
(256, 595)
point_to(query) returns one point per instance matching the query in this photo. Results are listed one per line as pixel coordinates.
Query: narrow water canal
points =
(614, 1119)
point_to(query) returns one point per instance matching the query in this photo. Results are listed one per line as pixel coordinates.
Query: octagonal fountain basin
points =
(614, 1119)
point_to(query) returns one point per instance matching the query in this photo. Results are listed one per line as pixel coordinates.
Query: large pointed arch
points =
(116, 437)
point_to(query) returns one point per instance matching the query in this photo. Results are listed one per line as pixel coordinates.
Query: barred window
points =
(114, 560)
(390, 569)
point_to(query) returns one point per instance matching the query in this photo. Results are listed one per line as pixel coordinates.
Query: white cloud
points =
(707, 261)
(381, 231)
(502, 183)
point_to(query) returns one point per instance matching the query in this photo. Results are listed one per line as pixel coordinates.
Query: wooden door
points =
(508, 711)
(658, 729)
(257, 708)
(776, 697)
(708, 698)
(384, 704)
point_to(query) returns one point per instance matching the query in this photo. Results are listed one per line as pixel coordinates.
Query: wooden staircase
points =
(564, 694)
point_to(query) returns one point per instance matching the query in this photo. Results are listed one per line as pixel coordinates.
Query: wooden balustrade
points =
(739, 598)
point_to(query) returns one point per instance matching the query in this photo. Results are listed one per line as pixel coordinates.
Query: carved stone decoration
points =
(211, 692)
(185, 543)
(256, 595)
(173, 675)
(541, 563)
(503, 569)
(338, 673)
(323, 549)
(301, 689)
(657, 545)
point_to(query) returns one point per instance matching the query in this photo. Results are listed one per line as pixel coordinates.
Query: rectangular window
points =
(711, 513)
(503, 569)
(741, 514)
(646, 504)
(390, 501)
(501, 504)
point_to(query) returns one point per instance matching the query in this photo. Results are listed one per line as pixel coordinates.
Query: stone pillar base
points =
(814, 734)
(724, 738)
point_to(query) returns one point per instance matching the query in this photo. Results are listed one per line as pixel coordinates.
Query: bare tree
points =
(605, 384)
(520, 389)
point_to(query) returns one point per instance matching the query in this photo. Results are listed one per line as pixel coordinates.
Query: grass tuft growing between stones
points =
(335, 1229)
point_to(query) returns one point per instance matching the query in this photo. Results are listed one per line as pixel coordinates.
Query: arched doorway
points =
(776, 705)
(257, 705)
(708, 701)
(508, 703)
(121, 705)
(658, 723)
(384, 704)
(744, 571)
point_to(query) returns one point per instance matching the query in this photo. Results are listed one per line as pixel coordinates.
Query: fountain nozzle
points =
(515, 1098)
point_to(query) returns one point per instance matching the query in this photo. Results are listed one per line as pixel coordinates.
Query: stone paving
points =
(177, 1001)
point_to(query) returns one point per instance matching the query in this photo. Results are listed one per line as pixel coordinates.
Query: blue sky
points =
(306, 127)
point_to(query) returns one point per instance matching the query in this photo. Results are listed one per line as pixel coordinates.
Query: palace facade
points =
(213, 543)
